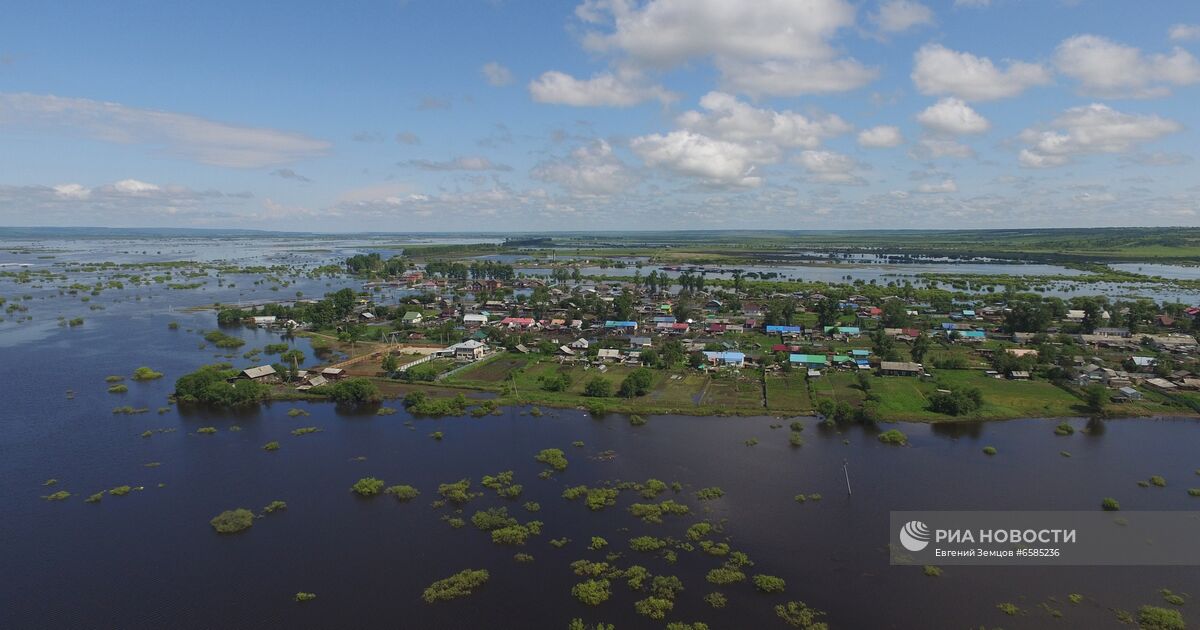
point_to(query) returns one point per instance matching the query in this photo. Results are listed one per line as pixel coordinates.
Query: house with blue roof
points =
(620, 325)
(786, 330)
(728, 358)
(810, 361)
(842, 330)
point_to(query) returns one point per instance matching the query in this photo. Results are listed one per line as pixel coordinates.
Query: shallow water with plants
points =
(369, 559)
(126, 511)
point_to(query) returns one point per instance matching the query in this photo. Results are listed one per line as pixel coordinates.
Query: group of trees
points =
(1035, 313)
(477, 270)
(352, 391)
(562, 274)
(956, 402)
(211, 385)
(636, 383)
(324, 313)
(374, 264)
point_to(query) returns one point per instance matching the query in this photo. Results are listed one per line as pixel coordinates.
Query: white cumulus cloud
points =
(937, 71)
(727, 118)
(1107, 68)
(72, 191)
(134, 187)
(1184, 32)
(606, 89)
(592, 169)
(765, 47)
(881, 137)
(717, 162)
(953, 117)
(1091, 129)
(895, 16)
(829, 167)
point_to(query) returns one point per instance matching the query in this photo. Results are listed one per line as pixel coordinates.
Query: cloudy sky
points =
(607, 114)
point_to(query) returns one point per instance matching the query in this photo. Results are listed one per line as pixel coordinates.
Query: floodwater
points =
(151, 560)
(1174, 272)
(877, 270)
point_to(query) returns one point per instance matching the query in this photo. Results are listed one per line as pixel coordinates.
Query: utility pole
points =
(846, 471)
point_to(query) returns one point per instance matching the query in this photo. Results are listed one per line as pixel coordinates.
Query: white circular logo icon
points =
(914, 536)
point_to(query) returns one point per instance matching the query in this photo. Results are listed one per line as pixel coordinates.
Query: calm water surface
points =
(150, 559)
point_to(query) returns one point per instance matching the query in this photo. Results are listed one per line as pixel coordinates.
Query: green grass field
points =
(788, 392)
(690, 391)
(1013, 399)
(743, 392)
(838, 387)
(492, 371)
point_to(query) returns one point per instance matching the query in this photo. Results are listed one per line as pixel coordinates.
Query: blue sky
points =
(605, 114)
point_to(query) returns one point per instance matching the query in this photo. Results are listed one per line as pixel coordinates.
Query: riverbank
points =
(722, 398)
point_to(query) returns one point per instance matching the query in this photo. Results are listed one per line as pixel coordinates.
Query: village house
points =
(727, 358)
(470, 350)
(1127, 394)
(640, 342)
(411, 317)
(333, 374)
(608, 354)
(1161, 384)
(811, 361)
(900, 368)
(309, 380)
(260, 374)
(785, 331)
(1174, 343)
(480, 286)
(474, 320)
(518, 323)
(1145, 364)
(902, 334)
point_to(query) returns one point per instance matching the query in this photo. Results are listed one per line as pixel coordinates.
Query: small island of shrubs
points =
(146, 374)
(212, 385)
(460, 584)
(402, 493)
(233, 521)
(553, 458)
(367, 487)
